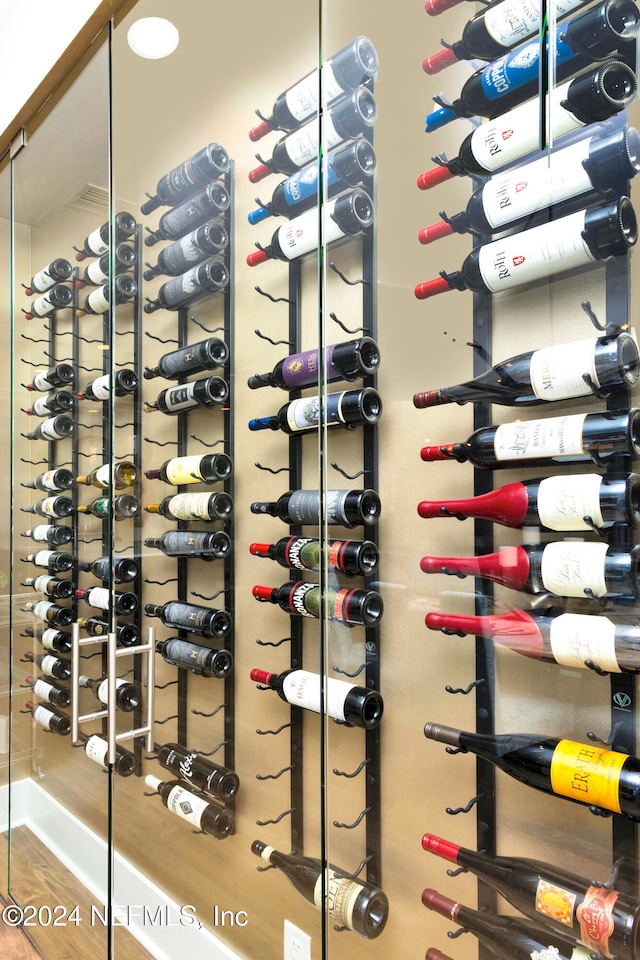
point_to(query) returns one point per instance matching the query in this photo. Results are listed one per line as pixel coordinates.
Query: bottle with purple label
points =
(343, 361)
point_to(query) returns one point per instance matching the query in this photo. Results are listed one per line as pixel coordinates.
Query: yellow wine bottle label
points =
(587, 774)
(555, 902)
(341, 894)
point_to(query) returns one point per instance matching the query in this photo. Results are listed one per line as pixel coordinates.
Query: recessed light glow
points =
(153, 38)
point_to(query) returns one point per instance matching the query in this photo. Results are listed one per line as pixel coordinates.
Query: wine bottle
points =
(596, 233)
(121, 475)
(352, 903)
(102, 597)
(57, 271)
(55, 507)
(55, 536)
(598, 94)
(97, 273)
(578, 173)
(488, 34)
(352, 705)
(351, 66)
(61, 375)
(125, 381)
(351, 557)
(49, 718)
(57, 298)
(581, 772)
(176, 223)
(508, 938)
(50, 666)
(217, 821)
(96, 748)
(60, 402)
(118, 569)
(181, 470)
(51, 613)
(50, 692)
(342, 361)
(127, 634)
(560, 372)
(349, 409)
(345, 119)
(97, 243)
(203, 280)
(513, 78)
(202, 621)
(604, 920)
(211, 392)
(563, 502)
(50, 638)
(550, 634)
(55, 428)
(188, 177)
(128, 695)
(349, 166)
(566, 568)
(51, 586)
(54, 480)
(433, 953)
(120, 508)
(300, 599)
(194, 506)
(346, 508)
(54, 560)
(209, 240)
(203, 661)
(99, 301)
(199, 771)
(205, 355)
(578, 437)
(192, 543)
(348, 215)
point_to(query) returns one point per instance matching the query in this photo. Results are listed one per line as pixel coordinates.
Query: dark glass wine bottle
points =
(53, 481)
(56, 507)
(54, 560)
(96, 748)
(55, 536)
(49, 692)
(194, 469)
(49, 665)
(176, 223)
(351, 557)
(205, 355)
(97, 273)
(50, 718)
(345, 508)
(61, 375)
(120, 508)
(60, 402)
(202, 621)
(122, 475)
(57, 271)
(192, 543)
(125, 381)
(103, 598)
(349, 409)
(203, 661)
(51, 613)
(598, 94)
(352, 903)
(188, 177)
(201, 772)
(194, 506)
(118, 569)
(352, 705)
(348, 606)
(209, 240)
(57, 298)
(342, 361)
(217, 821)
(55, 428)
(585, 773)
(99, 301)
(97, 243)
(51, 586)
(128, 695)
(127, 634)
(211, 392)
(203, 280)
(578, 437)
(50, 638)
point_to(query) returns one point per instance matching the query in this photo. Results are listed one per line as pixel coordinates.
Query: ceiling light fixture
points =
(153, 38)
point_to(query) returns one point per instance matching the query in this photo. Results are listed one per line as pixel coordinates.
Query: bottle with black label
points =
(97, 243)
(209, 817)
(351, 607)
(205, 355)
(199, 544)
(352, 705)
(201, 772)
(176, 223)
(58, 271)
(351, 557)
(346, 508)
(204, 280)
(211, 392)
(188, 177)
(209, 240)
(342, 361)
(199, 469)
(118, 569)
(203, 661)
(202, 621)
(349, 409)
(194, 506)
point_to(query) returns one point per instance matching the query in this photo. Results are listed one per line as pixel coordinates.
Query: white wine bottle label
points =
(302, 99)
(48, 430)
(41, 608)
(40, 407)
(302, 144)
(95, 274)
(300, 235)
(186, 805)
(48, 664)
(96, 749)
(96, 244)
(42, 689)
(179, 398)
(48, 506)
(41, 306)
(43, 716)
(42, 557)
(575, 638)
(40, 381)
(528, 440)
(101, 387)
(564, 502)
(48, 479)
(40, 533)
(303, 414)
(303, 689)
(40, 583)
(190, 506)
(184, 470)
(341, 895)
(569, 568)
(103, 689)
(509, 23)
(557, 372)
(97, 301)
(98, 597)
(42, 281)
(102, 476)
(48, 637)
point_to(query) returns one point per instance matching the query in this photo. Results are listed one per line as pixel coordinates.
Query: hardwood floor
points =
(15, 945)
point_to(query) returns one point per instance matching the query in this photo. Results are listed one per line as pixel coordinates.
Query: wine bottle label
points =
(303, 689)
(190, 506)
(302, 553)
(101, 387)
(96, 749)
(48, 664)
(48, 637)
(575, 639)
(300, 186)
(569, 568)
(102, 476)
(48, 479)
(41, 306)
(180, 398)
(587, 774)
(95, 274)
(528, 440)
(40, 407)
(193, 656)
(183, 288)
(41, 383)
(40, 583)
(98, 597)
(97, 301)
(96, 244)
(595, 916)
(185, 251)
(103, 689)
(48, 507)
(186, 614)
(42, 689)
(341, 895)
(302, 99)
(186, 805)
(520, 67)
(48, 430)
(564, 502)
(301, 369)
(300, 235)
(302, 145)
(302, 602)
(512, 22)
(42, 281)
(304, 414)
(42, 557)
(533, 254)
(557, 372)
(184, 470)
(41, 608)
(43, 716)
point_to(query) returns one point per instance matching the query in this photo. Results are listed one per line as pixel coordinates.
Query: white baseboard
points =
(85, 854)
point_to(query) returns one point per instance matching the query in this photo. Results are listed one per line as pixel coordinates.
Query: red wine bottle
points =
(351, 607)
(50, 718)
(594, 234)
(605, 920)
(204, 280)
(194, 506)
(196, 469)
(349, 409)
(211, 392)
(345, 508)
(56, 272)
(60, 376)
(128, 695)
(202, 621)
(570, 639)
(49, 692)
(209, 817)
(51, 613)
(205, 355)
(200, 772)
(203, 661)
(352, 65)
(209, 240)
(104, 599)
(52, 480)
(598, 94)
(188, 177)
(127, 634)
(575, 175)
(348, 215)
(513, 78)
(118, 569)
(179, 221)
(581, 772)
(560, 372)
(199, 544)
(54, 560)
(97, 243)
(96, 747)
(342, 361)
(57, 298)
(99, 300)
(562, 502)
(55, 507)
(351, 557)
(50, 638)
(54, 535)
(578, 437)
(59, 402)
(51, 586)
(352, 705)
(97, 273)
(345, 119)
(124, 382)
(55, 428)
(50, 666)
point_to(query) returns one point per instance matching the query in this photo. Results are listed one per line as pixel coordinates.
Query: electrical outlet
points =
(297, 945)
